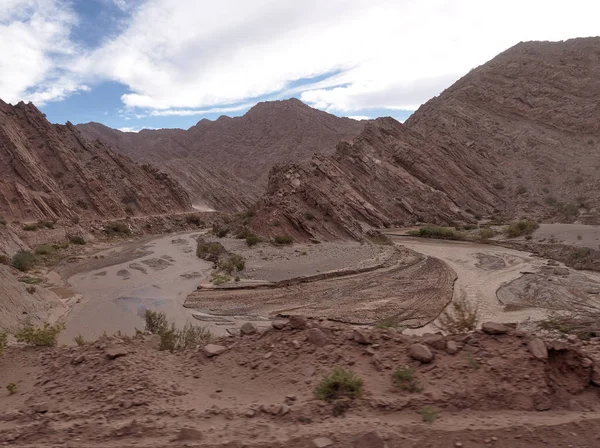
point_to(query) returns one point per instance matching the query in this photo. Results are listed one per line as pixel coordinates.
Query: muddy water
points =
(158, 275)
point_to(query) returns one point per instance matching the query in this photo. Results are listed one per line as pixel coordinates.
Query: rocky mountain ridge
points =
(50, 171)
(224, 164)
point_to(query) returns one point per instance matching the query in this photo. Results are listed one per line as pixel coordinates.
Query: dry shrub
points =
(341, 383)
(580, 316)
(462, 318)
(44, 336)
(3, 341)
(521, 228)
(404, 379)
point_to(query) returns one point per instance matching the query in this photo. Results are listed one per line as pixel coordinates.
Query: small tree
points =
(462, 319)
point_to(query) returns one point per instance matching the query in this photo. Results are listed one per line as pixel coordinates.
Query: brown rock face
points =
(225, 163)
(51, 171)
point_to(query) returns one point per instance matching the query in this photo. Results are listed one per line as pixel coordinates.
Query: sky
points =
(134, 64)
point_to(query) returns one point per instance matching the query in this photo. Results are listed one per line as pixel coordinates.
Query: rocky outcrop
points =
(51, 171)
(225, 163)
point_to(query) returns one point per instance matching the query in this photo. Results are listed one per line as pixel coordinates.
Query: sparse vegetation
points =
(341, 383)
(79, 340)
(30, 280)
(195, 220)
(471, 361)
(82, 204)
(218, 279)
(209, 251)
(486, 233)
(23, 261)
(44, 249)
(462, 319)
(234, 262)
(117, 228)
(30, 227)
(521, 228)
(2, 221)
(521, 190)
(388, 322)
(30, 289)
(38, 226)
(4, 259)
(156, 321)
(404, 379)
(580, 255)
(172, 338)
(12, 388)
(283, 240)
(3, 341)
(444, 233)
(429, 414)
(44, 336)
(498, 186)
(77, 239)
(252, 240)
(220, 232)
(309, 216)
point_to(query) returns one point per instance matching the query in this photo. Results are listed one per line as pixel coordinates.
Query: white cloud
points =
(131, 129)
(192, 112)
(359, 117)
(186, 57)
(36, 50)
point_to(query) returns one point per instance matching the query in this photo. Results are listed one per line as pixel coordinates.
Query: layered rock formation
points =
(51, 171)
(517, 136)
(224, 164)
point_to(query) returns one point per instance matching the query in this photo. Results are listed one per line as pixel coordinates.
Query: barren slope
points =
(51, 171)
(225, 163)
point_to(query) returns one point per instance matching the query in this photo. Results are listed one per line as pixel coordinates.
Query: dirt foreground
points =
(501, 388)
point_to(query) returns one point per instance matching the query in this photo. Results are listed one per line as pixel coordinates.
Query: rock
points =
(436, 341)
(596, 375)
(317, 337)
(494, 328)
(538, 349)
(298, 322)
(369, 440)
(361, 337)
(575, 406)
(451, 347)
(572, 338)
(188, 434)
(278, 325)
(40, 407)
(420, 352)
(78, 359)
(561, 271)
(322, 442)
(214, 350)
(552, 263)
(307, 371)
(248, 329)
(115, 352)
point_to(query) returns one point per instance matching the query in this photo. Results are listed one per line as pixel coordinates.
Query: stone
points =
(115, 352)
(436, 341)
(370, 439)
(40, 407)
(420, 352)
(248, 329)
(575, 406)
(78, 359)
(317, 337)
(494, 328)
(361, 337)
(322, 442)
(278, 325)
(214, 350)
(451, 347)
(298, 322)
(596, 375)
(307, 371)
(188, 434)
(538, 349)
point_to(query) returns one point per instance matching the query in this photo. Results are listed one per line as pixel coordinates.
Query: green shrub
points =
(283, 239)
(209, 251)
(77, 239)
(12, 388)
(253, 240)
(429, 414)
(404, 379)
(79, 340)
(30, 227)
(129, 211)
(190, 337)
(341, 383)
(445, 233)
(486, 233)
(30, 289)
(195, 220)
(580, 254)
(218, 279)
(3, 341)
(30, 280)
(2, 221)
(44, 249)
(521, 228)
(44, 336)
(23, 260)
(234, 262)
(309, 216)
(219, 232)
(156, 321)
(117, 228)
(4, 259)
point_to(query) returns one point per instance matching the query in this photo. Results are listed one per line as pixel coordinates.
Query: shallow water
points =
(159, 276)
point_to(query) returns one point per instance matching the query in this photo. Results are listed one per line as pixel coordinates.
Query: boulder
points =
(278, 325)
(436, 341)
(494, 328)
(451, 347)
(370, 439)
(538, 348)
(188, 434)
(115, 352)
(214, 350)
(317, 337)
(322, 442)
(248, 329)
(420, 352)
(298, 322)
(361, 337)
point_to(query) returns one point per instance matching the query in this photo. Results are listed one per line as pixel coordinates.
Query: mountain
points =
(225, 163)
(518, 136)
(51, 171)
